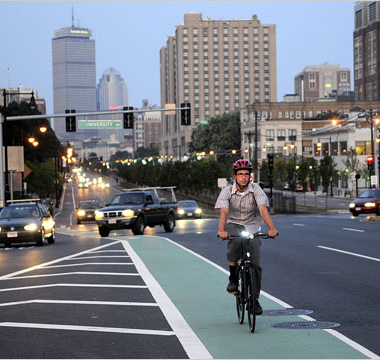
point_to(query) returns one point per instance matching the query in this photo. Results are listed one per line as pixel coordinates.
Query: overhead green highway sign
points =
(99, 124)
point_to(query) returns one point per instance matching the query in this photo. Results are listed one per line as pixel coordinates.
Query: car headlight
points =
(31, 227)
(0, 228)
(370, 204)
(49, 224)
(81, 213)
(99, 214)
(352, 205)
(181, 211)
(128, 213)
(198, 211)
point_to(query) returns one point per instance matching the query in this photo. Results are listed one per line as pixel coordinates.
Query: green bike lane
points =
(196, 287)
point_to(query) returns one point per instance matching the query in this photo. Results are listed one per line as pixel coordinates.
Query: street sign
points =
(99, 124)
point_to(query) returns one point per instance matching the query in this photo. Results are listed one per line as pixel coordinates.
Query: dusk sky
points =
(129, 34)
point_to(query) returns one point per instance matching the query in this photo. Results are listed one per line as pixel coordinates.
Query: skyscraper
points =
(112, 93)
(74, 76)
(366, 51)
(217, 66)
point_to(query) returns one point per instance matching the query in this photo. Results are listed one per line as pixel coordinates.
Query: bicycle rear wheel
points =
(251, 301)
(240, 296)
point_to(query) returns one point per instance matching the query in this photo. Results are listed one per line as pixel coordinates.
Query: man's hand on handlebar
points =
(272, 233)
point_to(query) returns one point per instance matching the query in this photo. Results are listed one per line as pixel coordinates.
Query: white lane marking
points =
(335, 333)
(299, 224)
(349, 253)
(75, 285)
(194, 348)
(40, 266)
(74, 273)
(349, 229)
(88, 328)
(106, 251)
(110, 303)
(84, 264)
(99, 257)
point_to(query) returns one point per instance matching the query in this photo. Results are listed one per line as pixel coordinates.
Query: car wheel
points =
(41, 240)
(378, 211)
(355, 213)
(139, 226)
(78, 221)
(51, 239)
(170, 223)
(7, 244)
(103, 231)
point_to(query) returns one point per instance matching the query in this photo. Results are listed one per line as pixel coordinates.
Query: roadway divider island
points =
(137, 208)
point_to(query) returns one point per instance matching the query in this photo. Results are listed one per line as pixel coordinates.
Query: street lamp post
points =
(33, 106)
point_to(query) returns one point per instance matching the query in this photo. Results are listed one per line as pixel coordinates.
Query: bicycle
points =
(246, 274)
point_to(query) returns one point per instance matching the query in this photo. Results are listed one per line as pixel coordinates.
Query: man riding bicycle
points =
(243, 206)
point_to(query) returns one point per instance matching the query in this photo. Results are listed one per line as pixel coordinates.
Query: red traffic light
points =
(370, 159)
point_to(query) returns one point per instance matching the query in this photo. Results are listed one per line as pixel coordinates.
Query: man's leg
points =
(233, 255)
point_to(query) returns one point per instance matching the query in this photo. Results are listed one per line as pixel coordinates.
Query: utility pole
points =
(256, 153)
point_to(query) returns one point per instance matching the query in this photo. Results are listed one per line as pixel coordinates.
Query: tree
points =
(353, 166)
(221, 134)
(152, 150)
(328, 172)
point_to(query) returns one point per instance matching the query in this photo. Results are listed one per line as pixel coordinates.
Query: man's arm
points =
(272, 232)
(222, 223)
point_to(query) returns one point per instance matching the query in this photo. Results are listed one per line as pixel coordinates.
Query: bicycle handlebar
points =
(250, 236)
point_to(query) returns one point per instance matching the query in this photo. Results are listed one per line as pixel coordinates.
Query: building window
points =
(281, 135)
(292, 134)
(363, 147)
(269, 135)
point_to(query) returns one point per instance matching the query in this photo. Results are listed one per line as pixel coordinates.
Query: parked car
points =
(86, 210)
(299, 186)
(366, 203)
(188, 208)
(26, 220)
(137, 209)
(285, 186)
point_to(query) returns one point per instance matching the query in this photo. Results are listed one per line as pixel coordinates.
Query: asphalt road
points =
(327, 264)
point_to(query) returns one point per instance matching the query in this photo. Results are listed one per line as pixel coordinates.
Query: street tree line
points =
(221, 134)
(39, 159)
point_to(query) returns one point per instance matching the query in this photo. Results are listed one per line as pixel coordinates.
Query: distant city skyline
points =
(308, 32)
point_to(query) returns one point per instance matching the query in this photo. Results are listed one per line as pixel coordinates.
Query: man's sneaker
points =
(232, 286)
(259, 309)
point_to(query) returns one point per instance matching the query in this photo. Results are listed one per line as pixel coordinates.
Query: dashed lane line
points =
(299, 224)
(88, 328)
(75, 285)
(356, 230)
(349, 253)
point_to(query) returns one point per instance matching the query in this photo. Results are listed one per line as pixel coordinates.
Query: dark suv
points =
(366, 203)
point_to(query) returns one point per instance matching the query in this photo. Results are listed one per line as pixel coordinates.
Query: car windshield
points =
(19, 211)
(89, 205)
(128, 199)
(370, 194)
(188, 204)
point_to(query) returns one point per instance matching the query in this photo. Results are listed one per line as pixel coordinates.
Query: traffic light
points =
(71, 125)
(370, 163)
(128, 118)
(185, 114)
(270, 161)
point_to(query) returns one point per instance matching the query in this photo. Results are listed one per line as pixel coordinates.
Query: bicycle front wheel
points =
(240, 297)
(251, 301)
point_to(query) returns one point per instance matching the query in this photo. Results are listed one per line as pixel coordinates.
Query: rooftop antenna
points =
(72, 16)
